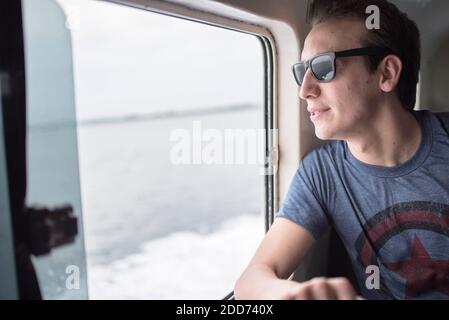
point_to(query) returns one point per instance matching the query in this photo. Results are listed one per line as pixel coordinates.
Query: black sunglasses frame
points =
(365, 51)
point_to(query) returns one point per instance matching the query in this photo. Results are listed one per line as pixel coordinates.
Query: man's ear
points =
(390, 69)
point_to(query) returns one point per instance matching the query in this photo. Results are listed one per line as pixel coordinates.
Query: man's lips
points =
(316, 113)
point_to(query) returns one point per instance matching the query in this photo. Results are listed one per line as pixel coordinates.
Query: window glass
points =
(52, 157)
(170, 119)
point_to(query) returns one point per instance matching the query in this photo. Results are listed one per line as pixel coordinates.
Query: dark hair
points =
(397, 32)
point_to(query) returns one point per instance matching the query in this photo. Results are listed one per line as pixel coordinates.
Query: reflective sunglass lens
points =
(299, 71)
(323, 68)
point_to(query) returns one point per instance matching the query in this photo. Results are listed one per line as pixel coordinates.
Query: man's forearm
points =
(257, 282)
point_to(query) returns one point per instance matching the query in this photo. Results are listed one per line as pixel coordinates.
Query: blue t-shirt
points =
(393, 218)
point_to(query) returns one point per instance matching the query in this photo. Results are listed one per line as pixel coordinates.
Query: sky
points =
(129, 61)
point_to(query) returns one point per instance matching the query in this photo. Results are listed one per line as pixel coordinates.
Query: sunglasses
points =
(323, 65)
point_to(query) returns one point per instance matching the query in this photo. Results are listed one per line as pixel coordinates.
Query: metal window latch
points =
(49, 228)
(272, 161)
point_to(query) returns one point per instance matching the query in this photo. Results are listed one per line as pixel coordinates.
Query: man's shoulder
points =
(429, 113)
(442, 115)
(331, 151)
(435, 118)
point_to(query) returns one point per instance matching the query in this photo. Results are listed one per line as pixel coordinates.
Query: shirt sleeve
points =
(303, 205)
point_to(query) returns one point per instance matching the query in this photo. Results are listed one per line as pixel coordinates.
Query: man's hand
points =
(320, 289)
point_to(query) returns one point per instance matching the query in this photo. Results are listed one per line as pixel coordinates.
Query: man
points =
(382, 184)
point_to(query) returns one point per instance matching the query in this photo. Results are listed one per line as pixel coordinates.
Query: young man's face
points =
(351, 97)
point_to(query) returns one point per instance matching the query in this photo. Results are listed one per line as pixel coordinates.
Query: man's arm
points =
(282, 250)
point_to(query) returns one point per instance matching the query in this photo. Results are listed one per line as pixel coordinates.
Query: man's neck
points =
(392, 139)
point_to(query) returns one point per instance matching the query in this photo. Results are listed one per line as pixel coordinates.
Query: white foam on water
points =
(183, 265)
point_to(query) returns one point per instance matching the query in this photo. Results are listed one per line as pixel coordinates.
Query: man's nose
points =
(310, 88)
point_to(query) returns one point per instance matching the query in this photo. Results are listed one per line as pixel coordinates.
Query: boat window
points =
(171, 144)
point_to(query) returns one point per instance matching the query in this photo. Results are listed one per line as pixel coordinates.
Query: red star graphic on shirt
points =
(422, 273)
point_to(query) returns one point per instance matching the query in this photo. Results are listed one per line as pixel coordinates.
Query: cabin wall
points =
(438, 97)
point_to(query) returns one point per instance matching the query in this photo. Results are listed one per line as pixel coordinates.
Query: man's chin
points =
(321, 135)
(324, 135)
